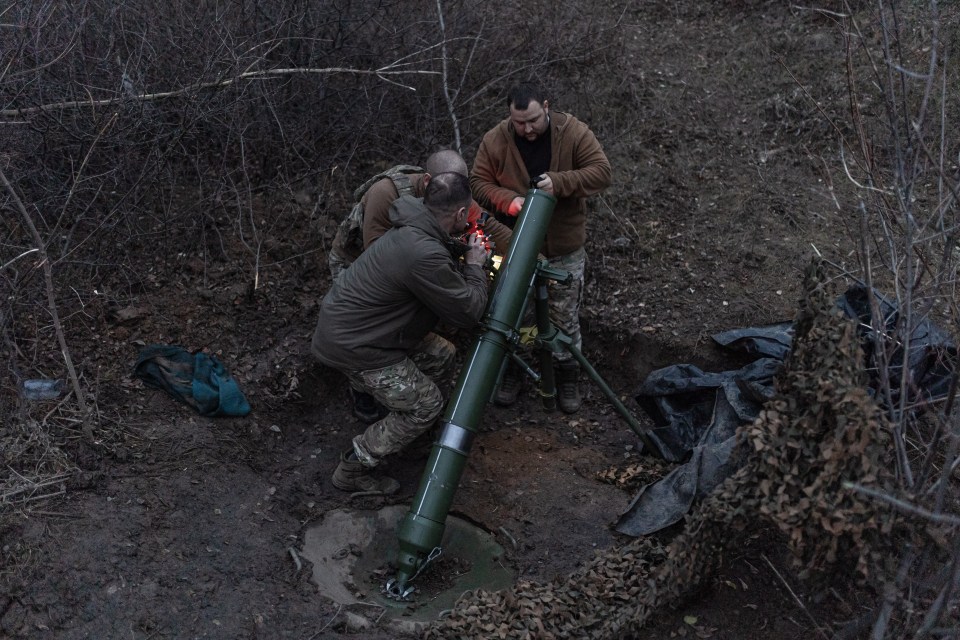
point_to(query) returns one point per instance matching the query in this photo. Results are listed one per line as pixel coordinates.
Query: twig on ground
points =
(504, 531)
(803, 607)
(296, 558)
(383, 609)
(365, 494)
(620, 220)
(32, 486)
(329, 622)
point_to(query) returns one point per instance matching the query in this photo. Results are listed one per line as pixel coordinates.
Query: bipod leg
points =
(522, 364)
(548, 382)
(611, 396)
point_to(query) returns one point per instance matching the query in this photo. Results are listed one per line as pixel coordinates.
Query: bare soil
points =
(179, 526)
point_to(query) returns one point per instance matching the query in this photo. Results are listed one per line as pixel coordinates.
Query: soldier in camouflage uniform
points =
(370, 218)
(408, 388)
(375, 322)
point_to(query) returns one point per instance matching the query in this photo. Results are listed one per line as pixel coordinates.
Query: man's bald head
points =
(446, 161)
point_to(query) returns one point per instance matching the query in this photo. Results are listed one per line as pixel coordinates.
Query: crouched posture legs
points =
(414, 401)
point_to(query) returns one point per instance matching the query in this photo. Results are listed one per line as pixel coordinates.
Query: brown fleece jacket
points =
(578, 169)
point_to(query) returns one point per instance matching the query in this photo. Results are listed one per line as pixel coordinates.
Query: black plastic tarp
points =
(681, 400)
(932, 355)
(697, 413)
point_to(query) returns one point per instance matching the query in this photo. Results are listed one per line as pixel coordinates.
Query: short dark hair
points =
(447, 192)
(520, 95)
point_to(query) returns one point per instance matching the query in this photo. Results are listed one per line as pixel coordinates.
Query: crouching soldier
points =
(377, 319)
(369, 219)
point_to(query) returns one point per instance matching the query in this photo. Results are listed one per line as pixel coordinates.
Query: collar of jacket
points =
(407, 211)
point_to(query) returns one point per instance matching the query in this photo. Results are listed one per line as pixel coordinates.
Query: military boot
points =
(509, 389)
(351, 475)
(568, 386)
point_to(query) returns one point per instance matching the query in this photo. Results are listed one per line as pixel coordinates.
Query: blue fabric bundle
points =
(196, 379)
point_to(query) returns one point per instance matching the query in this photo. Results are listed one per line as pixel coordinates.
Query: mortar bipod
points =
(550, 339)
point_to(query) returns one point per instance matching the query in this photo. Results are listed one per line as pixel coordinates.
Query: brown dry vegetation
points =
(184, 165)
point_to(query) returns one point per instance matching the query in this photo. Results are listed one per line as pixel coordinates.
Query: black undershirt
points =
(536, 154)
(536, 158)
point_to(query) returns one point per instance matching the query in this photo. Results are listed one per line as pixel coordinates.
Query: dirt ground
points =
(178, 526)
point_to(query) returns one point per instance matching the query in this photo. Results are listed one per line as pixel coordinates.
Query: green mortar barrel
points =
(422, 529)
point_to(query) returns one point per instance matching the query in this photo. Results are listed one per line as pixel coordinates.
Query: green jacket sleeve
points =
(458, 300)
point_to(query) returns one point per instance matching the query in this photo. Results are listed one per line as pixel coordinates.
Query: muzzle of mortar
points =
(422, 529)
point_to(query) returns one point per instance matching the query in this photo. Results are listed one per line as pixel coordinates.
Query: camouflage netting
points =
(821, 430)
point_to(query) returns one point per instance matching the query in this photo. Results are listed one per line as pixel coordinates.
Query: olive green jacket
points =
(376, 219)
(384, 303)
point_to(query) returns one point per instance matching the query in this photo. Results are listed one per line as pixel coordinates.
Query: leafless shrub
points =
(153, 140)
(901, 159)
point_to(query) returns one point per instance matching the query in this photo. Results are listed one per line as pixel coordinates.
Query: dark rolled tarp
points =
(662, 503)
(932, 355)
(681, 399)
(697, 413)
(773, 340)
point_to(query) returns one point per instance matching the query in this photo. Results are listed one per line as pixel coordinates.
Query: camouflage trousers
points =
(408, 391)
(565, 299)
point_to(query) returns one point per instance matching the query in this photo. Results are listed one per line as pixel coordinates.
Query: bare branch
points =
(51, 301)
(446, 80)
(904, 506)
(215, 84)
(25, 253)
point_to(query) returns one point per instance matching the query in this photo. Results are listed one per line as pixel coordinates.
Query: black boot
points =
(365, 408)
(509, 389)
(568, 386)
(351, 475)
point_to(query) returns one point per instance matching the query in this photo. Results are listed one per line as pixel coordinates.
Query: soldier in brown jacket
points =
(568, 162)
(376, 322)
(376, 203)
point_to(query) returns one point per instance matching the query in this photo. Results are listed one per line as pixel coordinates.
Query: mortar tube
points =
(422, 528)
